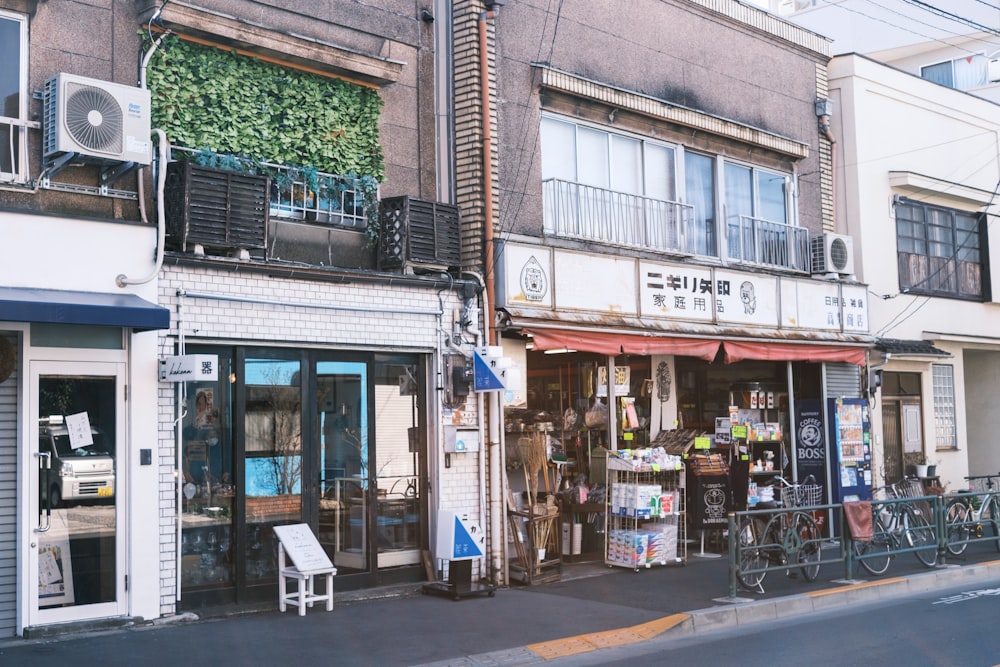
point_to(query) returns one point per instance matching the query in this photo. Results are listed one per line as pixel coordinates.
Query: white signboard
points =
(527, 276)
(303, 548)
(686, 293)
(591, 282)
(677, 292)
(190, 368)
(819, 304)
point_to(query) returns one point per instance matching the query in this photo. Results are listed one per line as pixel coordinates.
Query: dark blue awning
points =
(26, 304)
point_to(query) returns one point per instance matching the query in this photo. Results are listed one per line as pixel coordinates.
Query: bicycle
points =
(964, 516)
(790, 536)
(895, 524)
(918, 514)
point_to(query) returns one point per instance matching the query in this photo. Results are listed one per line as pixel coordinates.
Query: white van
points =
(81, 473)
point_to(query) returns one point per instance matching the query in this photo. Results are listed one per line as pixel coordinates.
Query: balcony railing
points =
(305, 194)
(760, 242)
(596, 214)
(14, 149)
(617, 218)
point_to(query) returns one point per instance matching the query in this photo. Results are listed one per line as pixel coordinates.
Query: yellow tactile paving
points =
(559, 648)
(854, 587)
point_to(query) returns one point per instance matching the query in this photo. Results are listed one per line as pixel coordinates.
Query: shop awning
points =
(740, 350)
(25, 304)
(618, 343)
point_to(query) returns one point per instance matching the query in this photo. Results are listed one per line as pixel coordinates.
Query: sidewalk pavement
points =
(593, 606)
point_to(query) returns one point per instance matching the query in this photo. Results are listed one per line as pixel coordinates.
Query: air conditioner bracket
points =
(112, 173)
(58, 164)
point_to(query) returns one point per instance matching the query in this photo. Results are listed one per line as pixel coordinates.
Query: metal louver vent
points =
(419, 235)
(94, 118)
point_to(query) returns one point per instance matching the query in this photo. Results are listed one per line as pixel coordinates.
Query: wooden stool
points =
(305, 592)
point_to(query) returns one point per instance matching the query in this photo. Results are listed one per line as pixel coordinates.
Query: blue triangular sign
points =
(484, 378)
(465, 545)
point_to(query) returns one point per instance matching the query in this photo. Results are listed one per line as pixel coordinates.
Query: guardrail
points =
(947, 533)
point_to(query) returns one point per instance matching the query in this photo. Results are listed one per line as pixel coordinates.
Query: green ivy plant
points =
(241, 112)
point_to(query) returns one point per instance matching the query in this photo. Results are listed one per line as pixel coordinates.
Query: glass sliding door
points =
(76, 555)
(398, 456)
(272, 467)
(208, 486)
(344, 474)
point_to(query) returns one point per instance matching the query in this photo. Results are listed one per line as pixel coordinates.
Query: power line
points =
(954, 17)
(908, 17)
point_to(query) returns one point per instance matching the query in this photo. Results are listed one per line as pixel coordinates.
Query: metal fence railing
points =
(941, 526)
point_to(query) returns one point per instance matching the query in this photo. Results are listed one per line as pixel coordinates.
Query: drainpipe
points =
(484, 81)
(497, 535)
(122, 280)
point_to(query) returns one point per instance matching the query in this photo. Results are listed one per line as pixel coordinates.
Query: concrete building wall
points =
(900, 135)
(722, 58)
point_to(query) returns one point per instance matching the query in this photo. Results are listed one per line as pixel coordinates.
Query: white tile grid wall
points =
(306, 313)
(460, 494)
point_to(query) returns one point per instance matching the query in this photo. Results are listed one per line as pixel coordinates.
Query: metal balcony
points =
(759, 242)
(617, 218)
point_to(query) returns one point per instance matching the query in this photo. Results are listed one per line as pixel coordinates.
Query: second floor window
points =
(961, 73)
(13, 97)
(940, 251)
(609, 187)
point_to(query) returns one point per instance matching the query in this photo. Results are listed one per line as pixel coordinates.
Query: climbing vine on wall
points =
(219, 101)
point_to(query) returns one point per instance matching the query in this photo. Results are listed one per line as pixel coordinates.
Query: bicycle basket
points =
(910, 488)
(802, 495)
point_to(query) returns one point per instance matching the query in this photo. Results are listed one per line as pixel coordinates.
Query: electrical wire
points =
(953, 17)
(908, 17)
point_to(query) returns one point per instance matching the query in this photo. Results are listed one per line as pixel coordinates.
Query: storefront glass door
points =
(75, 482)
(398, 455)
(342, 426)
(272, 479)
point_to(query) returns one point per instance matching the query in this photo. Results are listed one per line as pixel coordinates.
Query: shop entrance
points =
(286, 436)
(76, 554)
(901, 432)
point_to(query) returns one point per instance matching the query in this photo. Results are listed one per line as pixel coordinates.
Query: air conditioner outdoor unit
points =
(97, 121)
(832, 253)
(993, 70)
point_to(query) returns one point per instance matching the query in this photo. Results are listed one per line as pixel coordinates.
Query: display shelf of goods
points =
(645, 522)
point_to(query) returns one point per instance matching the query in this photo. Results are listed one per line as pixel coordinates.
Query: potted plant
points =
(915, 464)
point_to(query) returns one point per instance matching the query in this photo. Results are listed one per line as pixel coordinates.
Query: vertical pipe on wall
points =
(495, 462)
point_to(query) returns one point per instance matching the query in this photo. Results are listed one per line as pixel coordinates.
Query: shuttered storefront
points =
(8, 487)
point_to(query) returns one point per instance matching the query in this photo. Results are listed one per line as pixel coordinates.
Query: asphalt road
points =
(949, 627)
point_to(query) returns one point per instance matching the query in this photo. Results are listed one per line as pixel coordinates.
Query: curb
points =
(852, 593)
(742, 612)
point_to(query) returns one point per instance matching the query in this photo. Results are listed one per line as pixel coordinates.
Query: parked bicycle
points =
(896, 522)
(789, 537)
(965, 515)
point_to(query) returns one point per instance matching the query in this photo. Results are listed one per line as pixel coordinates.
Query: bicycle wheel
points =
(807, 547)
(919, 535)
(877, 551)
(956, 517)
(750, 555)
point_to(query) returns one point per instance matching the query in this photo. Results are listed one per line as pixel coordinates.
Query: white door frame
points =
(31, 613)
